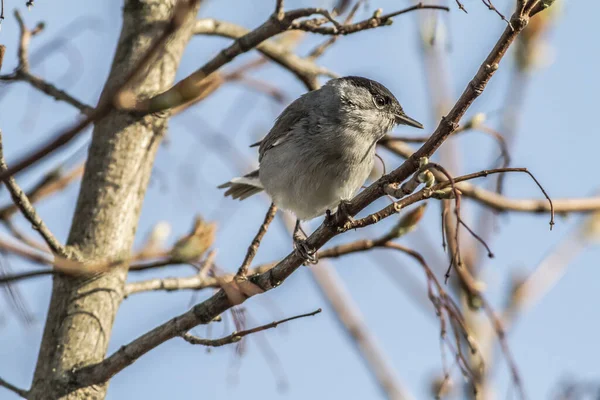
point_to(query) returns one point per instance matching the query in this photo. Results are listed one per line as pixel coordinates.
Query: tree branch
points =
(237, 336)
(22, 72)
(502, 203)
(253, 248)
(304, 69)
(51, 90)
(279, 11)
(52, 182)
(375, 21)
(29, 212)
(188, 88)
(21, 392)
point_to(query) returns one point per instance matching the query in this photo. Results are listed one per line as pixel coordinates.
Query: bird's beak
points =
(403, 119)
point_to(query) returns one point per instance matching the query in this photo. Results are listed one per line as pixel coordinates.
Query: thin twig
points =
(485, 173)
(480, 128)
(461, 6)
(237, 336)
(50, 90)
(374, 22)
(21, 392)
(502, 203)
(22, 72)
(457, 255)
(26, 240)
(29, 211)
(33, 255)
(443, 223)
(319, 50)
(197, 282)
(9, 278)
(304, 69)
(429, 192)
(442, 302)
(477, 237)
(504, 153)
(279, 11)
(186, 90)
(253, 248)
(72, 268)
(51, 183)
(491, 7)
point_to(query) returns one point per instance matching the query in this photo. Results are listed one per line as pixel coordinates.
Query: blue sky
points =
(556, 339)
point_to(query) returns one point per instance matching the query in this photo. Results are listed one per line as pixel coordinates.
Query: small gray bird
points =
(321, 150)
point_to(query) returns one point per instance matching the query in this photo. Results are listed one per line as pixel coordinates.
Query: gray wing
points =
(294, 114)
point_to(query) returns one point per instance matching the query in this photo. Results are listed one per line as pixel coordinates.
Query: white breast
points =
(308, 186)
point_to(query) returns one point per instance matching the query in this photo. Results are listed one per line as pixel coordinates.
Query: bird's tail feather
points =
(243, 187)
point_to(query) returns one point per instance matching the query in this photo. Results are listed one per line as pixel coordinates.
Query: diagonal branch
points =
(52, 182)
(237, 336)
(187, 89)
(22, 202)
(51, 90)
(253, 248)
(304, 69)
(21, 392)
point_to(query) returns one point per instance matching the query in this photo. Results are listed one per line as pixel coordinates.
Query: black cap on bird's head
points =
(383, 99)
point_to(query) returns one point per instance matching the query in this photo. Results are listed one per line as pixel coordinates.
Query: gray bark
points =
(82, 311)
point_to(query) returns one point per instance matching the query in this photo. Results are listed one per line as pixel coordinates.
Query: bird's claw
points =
(305, 252)
(342, 220)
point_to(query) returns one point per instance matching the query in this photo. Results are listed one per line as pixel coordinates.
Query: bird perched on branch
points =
(321, 150)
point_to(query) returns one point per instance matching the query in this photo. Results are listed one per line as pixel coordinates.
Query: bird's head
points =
(370, 105)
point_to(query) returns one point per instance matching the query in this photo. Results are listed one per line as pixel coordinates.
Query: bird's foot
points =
(341, 219)
(305, 251)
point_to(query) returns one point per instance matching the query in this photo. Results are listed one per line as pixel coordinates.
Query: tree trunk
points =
(82, 311)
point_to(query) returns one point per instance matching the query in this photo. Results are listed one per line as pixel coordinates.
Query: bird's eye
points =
(380, 101)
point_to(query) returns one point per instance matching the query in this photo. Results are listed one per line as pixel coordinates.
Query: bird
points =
(321, 150)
